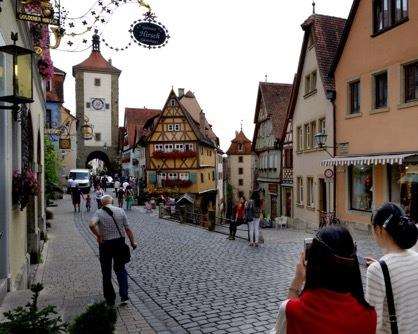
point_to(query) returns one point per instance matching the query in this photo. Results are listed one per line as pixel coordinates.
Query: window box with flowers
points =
(177, 183)
(25, 185)
(174, 154)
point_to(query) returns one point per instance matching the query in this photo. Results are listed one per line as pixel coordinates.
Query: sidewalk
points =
(71, 275)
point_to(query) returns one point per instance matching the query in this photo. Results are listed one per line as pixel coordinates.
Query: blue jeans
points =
(107, 255)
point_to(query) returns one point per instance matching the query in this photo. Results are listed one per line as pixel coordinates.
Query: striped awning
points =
(389, 159)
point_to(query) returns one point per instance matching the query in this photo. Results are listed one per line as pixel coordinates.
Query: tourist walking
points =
(395, 234)
(120, 195)
(76, 195)
(103, 182)
(252, 216)
(98, 194)
(88, 202)
(116, 186)
(129, 195)
(239, 218)
(332, 299)
(110, 227)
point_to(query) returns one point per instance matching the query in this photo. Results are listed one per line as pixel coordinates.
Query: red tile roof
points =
(240, 138)
(96, 62)
(276, 98)
(135, 119)
(327, 32)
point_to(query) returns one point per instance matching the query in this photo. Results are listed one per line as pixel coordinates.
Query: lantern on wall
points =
(16, 72)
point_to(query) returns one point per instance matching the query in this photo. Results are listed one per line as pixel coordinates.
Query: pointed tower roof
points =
(240, 139)
(96, 62)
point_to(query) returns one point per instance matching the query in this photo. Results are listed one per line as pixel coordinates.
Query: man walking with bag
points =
(110, 227)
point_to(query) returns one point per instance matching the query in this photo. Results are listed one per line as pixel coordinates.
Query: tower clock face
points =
(98, 104)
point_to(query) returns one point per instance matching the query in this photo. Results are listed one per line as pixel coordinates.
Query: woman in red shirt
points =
(239, 218)
(332, 300)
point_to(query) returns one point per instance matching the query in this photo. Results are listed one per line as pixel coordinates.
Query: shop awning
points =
(389, 159)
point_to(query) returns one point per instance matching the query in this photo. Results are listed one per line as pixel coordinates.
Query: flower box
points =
(24, 185)
(177, 183)
(174, 154)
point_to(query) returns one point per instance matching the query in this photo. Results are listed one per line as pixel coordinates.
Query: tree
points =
(52, 166)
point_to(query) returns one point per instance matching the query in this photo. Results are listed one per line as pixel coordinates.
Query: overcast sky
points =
(220, 50)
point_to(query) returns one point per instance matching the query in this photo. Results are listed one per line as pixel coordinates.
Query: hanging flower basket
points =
(24, 186)
(177, 183)
(174, 154)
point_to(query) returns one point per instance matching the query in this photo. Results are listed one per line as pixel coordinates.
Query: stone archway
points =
(99, 155)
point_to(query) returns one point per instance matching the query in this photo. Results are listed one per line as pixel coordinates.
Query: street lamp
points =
(18, 90)
(321, 140)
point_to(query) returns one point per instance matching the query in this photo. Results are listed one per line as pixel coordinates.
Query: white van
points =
(80, 177)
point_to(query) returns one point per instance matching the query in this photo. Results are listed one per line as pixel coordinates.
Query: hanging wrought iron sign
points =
(39, 11)
(65, 144)
(87, 132)
(149, 33)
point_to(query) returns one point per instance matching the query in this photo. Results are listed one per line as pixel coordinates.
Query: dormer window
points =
(240, 147)
(389, 13)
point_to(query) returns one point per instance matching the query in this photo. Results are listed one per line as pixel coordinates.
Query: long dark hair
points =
(399, 226)
(332, 263)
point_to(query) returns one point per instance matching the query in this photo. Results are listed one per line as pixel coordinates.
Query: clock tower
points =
(97, 104)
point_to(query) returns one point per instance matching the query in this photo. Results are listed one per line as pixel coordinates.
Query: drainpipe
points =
(331, 96)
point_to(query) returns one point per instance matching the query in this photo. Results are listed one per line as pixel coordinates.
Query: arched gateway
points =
(97, 102)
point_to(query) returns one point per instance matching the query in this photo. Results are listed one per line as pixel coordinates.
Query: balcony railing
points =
(174, 154)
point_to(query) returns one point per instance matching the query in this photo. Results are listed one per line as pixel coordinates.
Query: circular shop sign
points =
(329, 173)
(148, 34)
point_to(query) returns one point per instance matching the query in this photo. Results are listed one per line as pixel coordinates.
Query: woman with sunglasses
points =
(395, 234)
(326, 295)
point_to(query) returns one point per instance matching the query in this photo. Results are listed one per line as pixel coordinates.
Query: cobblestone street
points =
(184, 279)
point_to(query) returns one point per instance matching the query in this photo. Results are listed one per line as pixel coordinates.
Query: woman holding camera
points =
(326, 295)
(396, 296)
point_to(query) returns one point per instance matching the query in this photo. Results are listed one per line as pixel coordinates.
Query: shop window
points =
(381, 90)
(354, 92)
(299, 190)
(403, 188)
(389, 13)
(310, 192)
(411, 82)
(361, 187)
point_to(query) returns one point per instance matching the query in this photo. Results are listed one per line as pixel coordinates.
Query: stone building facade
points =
(97, 104)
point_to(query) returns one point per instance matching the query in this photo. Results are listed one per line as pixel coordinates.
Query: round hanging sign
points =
(329, 173)
(149, 33)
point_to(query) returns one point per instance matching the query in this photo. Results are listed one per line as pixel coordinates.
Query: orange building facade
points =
(376, 110)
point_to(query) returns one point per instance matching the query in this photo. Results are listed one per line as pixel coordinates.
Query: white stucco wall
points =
(234, 176)
(13, 222)
(100, 119)
(307, 164)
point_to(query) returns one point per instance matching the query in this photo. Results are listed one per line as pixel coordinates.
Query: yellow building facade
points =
(180, 157)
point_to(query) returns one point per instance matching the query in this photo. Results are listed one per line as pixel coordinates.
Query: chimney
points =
(202, 122)
(181, 92)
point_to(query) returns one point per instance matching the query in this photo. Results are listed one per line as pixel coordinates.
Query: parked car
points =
(81, 177)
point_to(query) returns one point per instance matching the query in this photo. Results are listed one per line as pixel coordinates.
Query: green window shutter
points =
(193, 178)
(152, 177)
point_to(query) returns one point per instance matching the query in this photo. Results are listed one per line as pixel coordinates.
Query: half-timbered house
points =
(181, 155)
(270, 119)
